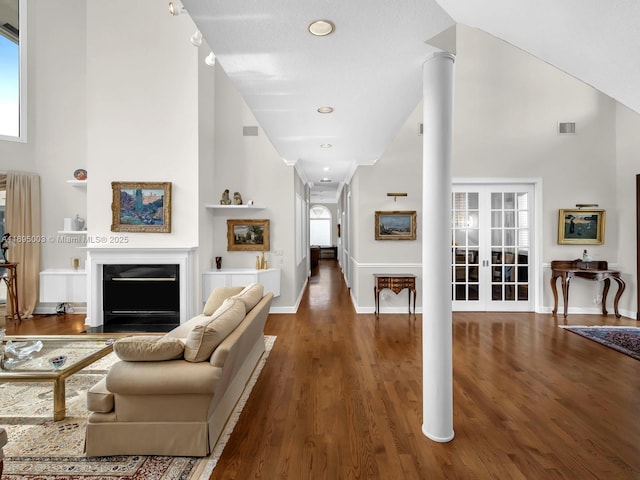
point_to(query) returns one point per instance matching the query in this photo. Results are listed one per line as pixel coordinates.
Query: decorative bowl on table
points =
(57, 362)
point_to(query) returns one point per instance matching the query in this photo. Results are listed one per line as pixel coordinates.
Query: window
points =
(320, 225)
(12, 70)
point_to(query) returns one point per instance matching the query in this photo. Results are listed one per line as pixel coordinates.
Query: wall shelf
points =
(77, 183)
(72, 232)
(233, 207)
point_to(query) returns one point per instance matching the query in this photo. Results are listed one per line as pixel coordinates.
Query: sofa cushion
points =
(217, 297)
(206, 336)
(99, 398)
(251, 295)
(147, 348)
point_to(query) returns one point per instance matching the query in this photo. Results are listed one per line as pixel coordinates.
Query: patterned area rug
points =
(623, 339)
(42, 449)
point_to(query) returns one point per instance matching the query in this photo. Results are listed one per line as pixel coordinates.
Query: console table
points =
(596, 270)
(396, 283)
(10, 278)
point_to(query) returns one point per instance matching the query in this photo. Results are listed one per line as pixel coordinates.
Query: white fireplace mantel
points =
(99, 256)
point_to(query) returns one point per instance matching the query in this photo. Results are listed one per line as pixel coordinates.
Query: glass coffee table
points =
(80, 351)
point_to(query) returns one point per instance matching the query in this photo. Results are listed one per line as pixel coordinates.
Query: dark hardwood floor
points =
(341, 397)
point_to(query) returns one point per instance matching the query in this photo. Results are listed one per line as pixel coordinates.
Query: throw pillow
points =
(251, 295)
(217, 297)
(206, 336)
(146, 348)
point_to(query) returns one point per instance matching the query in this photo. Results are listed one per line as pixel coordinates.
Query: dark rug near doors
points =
(623, 339)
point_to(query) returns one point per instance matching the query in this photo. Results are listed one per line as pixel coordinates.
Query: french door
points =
(491, 247)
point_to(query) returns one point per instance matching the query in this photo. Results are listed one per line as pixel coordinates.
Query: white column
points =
(437, 365)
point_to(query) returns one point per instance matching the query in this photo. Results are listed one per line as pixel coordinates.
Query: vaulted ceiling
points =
(369, 70)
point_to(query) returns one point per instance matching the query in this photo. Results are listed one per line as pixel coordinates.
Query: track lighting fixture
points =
(175, 9)
(210, 60)
(196, 38)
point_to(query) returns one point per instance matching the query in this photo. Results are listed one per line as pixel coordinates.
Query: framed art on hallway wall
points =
(395, 225)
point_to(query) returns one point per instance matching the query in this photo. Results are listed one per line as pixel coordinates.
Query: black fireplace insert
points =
(141, 297)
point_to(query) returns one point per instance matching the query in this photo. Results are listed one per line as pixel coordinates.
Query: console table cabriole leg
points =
(621, 287)
(554, 290)
(414, 304)
(565, 293)
(605, 291)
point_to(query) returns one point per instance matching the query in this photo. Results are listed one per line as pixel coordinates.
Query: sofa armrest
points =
(170, 377)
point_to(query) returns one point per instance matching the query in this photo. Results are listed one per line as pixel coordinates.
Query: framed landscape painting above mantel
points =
(395, 225)
(581, 226)
(141, 207)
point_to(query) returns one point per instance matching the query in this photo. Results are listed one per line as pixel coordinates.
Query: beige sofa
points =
(173, 394)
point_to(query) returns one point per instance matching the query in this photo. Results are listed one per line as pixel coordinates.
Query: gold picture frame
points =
(247, 235)
(141, 207)
(581, 226)
(395, 225)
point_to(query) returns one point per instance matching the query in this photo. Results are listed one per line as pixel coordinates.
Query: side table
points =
(10, 278)
(396, 283)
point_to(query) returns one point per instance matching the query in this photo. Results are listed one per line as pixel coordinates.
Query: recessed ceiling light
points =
(325, 110)
(321, 28)
(326, 169)
(325, 180)
(326, 145)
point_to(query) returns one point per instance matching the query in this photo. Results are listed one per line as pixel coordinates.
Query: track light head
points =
(176, 10)
(196, 38)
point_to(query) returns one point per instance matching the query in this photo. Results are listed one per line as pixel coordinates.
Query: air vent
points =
(567, 128)
(420, 129)
(251, 131)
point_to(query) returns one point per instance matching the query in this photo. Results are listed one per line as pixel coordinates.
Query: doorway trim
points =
(535, 263)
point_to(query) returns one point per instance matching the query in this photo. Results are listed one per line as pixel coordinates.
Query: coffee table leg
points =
(59, 408)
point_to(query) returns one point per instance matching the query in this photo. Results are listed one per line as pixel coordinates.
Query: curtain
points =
(23, 223)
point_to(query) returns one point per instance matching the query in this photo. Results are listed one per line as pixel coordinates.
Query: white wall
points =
(250, 165)
(56, 91)
(628, 148)
(399, 170)
(142, 102)
(506, 109)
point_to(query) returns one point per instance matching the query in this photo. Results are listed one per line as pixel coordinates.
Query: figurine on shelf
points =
(4, 245)
(237, 198)
(218, 263)
(78, 223)
(225, 200)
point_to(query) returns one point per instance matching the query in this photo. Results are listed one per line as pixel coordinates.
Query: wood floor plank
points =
(341, 397)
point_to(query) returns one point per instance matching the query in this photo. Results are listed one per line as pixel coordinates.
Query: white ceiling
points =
(370, 69)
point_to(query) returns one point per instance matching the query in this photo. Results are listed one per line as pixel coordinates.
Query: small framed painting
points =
(247, 235)
(141, 207)
(399, 225)
(581, 226)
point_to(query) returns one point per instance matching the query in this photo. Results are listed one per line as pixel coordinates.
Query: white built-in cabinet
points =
(63, 285)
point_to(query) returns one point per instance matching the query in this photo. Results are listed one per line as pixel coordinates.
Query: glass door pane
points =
(510, 237)
(465, 259)
(491, 232)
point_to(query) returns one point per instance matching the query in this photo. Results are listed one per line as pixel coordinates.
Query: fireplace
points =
(102, 256)
(140, 297)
